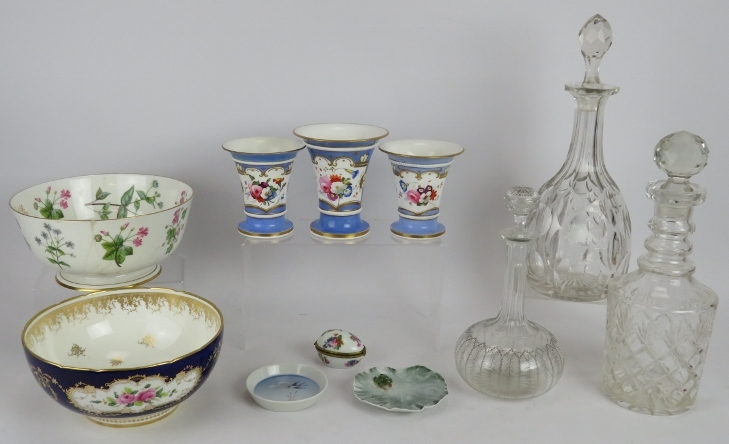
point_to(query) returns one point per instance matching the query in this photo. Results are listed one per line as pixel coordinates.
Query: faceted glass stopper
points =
(521, 200)
(596, 37)
(681, 154)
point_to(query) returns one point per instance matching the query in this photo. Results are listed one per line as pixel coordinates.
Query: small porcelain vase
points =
(264, 165)
(420, 168)
(340, 153)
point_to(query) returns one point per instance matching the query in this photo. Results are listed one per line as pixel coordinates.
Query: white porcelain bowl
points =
(103, 231)
(286, 387)
(124, 357)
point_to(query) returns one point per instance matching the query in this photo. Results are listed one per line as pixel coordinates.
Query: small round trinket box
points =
(340, 349)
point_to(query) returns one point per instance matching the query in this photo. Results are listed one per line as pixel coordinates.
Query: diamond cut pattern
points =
(654, 358)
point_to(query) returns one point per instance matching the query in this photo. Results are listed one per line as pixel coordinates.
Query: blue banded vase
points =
(420, 168)
(340, 154)
(264, 166)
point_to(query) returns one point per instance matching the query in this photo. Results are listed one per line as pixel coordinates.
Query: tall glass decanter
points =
(659, 317)
(509, 356)
(582, 222)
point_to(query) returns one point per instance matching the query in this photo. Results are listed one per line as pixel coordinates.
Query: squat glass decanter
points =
(582, 222)
(659, 317)
(509, 356)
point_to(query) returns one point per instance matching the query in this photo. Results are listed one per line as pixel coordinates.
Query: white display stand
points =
(298, 287)
(46, 291)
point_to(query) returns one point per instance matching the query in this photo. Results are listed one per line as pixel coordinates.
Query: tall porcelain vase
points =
(340, 153)
(420, 168)
(264, 166)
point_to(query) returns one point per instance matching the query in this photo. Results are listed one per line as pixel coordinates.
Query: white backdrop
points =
(157, 86)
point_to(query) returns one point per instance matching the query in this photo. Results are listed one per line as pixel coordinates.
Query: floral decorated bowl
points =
(104, 231)
(339, 349)
(124, 357)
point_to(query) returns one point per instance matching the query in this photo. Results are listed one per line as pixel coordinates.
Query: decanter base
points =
(576, 288)
(648, 411)
(527, 364)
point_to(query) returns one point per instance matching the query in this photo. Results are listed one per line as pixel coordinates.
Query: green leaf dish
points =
(410, 389)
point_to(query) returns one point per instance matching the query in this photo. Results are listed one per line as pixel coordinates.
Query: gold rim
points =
(340, 355)
(96, 175)
(387, 133)
(123, 426)
(417, 236)
(129, 284)
(265, 235)
(410, 156)
(339, 236)
(263, 154)
(101, 293)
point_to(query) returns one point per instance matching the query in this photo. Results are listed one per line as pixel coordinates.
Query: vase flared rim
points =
(431, 149)
(340, 132)
(264, 145)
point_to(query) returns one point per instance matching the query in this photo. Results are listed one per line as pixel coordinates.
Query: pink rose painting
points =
(413, 196)
(336, 186)
(133, 398)
(325, 183)
(146, 395)
(126, 398)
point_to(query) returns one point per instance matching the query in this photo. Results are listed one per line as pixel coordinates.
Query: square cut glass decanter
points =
(582, 222)
(659, 318)
(509, 356)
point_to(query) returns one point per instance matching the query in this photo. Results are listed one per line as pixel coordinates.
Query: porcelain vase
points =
(420, 168)
(340, 154)
(264, 166)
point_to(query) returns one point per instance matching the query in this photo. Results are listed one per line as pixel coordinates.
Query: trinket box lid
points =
(340, 343)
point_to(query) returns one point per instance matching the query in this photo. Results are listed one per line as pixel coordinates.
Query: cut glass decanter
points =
(659, 318)
(582, 222)
(508, 356)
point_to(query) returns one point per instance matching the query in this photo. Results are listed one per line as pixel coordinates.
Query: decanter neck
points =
(585, 153)
(671, 224)
(512, 307)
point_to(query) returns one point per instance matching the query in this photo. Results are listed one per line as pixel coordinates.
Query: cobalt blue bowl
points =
(124, 357)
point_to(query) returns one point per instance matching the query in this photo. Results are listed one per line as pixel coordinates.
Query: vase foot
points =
(339, 227)
(417, 229)
(266, 228)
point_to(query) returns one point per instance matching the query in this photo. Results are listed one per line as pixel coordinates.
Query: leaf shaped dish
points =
(400, 390)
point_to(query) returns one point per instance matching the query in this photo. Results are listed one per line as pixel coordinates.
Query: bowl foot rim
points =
(80, 286)
(134, 421)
